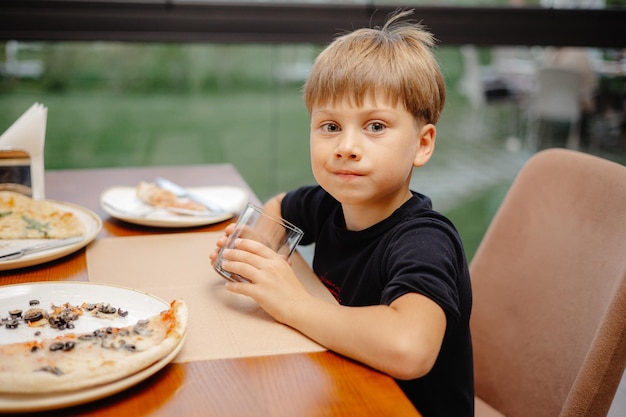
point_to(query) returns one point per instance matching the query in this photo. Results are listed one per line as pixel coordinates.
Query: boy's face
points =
(365, 155)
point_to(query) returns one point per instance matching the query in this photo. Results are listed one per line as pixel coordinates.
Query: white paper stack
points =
(28, 134)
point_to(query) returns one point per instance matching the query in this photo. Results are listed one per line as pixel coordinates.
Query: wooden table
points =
(314, 384)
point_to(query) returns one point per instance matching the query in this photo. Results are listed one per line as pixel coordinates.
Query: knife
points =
(40, 247)
(183, 193)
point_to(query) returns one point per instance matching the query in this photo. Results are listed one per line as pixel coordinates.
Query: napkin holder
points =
(22, 153)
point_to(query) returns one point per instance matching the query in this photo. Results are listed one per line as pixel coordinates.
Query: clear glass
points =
(277, 234)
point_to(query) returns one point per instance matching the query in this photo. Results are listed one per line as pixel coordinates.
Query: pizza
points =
(152, 194)
(22, 217)
(73, 361)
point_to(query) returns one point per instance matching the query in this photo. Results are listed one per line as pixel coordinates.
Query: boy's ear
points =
(426, 145)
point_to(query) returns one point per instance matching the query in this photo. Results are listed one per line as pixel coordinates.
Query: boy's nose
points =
(347, 147)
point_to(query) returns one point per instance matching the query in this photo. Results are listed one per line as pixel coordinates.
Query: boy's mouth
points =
(347, 173)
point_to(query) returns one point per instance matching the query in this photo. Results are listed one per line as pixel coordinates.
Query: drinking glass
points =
(275, 233)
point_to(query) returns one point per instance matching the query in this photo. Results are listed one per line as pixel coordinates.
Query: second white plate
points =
(122, 203)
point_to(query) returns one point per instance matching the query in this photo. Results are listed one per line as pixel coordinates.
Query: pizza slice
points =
(22, 217)
(74, 361)
(152, 194)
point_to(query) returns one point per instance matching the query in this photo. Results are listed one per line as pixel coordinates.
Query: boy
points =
(396, 266)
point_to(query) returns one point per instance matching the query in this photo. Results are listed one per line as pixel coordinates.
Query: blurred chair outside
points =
(549, 282)
(556, 99)
(509, 77)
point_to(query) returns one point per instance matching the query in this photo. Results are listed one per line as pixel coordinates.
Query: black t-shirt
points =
(416, 249)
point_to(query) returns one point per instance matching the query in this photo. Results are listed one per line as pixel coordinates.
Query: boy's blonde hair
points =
(395, 61)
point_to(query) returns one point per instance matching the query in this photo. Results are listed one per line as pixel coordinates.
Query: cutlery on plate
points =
(40, 247)
(143, 213)
(183, 193)
(129, 213)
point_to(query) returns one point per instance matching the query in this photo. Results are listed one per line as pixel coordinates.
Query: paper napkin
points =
(28, 134)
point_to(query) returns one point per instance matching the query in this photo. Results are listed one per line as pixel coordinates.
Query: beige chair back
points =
(549, 282)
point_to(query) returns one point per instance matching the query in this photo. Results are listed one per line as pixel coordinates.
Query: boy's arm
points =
(402, 339)
(272, 206)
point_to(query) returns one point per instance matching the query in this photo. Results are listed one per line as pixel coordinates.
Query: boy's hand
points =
(273, 284)
(221, 241)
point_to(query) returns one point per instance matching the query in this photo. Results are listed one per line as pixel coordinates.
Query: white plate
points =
(92, 223)
(139, 305)
(132, 210)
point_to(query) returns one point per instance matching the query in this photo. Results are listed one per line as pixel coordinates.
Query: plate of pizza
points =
(149, 205)
(27, 223)
(67, 343)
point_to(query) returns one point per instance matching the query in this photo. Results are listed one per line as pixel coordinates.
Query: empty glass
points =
(253, 223)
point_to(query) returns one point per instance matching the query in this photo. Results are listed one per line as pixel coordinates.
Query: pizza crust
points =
(97, 358)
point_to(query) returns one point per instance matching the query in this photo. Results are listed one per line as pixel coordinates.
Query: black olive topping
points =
(107, 309)
(56, 346)
(15, 314)
(33, 315)
(11, 324)
(64, 317)
(69, 345)
(101, 333)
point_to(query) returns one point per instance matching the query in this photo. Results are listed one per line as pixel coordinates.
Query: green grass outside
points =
(103, 130)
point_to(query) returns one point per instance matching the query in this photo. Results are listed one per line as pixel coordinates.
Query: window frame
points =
(189, 21)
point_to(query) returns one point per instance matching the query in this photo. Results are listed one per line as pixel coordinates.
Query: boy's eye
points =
(376, 127)
(330, 127)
